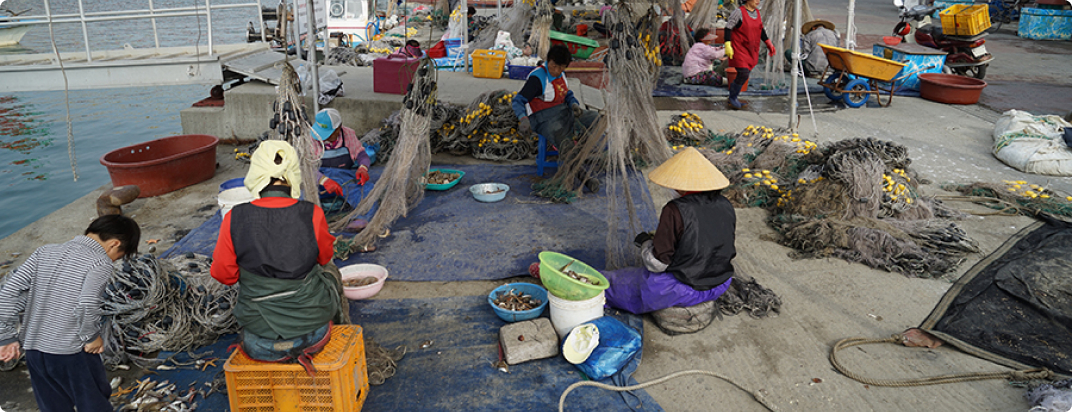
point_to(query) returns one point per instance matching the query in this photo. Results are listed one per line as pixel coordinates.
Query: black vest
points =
(276, 243)
(703, 253)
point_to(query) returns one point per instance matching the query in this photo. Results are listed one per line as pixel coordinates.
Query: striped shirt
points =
(60, 289)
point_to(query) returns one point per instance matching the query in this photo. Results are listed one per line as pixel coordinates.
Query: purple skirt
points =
(638, 290)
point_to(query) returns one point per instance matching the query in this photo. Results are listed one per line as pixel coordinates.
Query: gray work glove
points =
(523, 126)
(577, 110)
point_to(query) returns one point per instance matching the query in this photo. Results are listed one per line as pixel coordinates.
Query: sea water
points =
(36, 167)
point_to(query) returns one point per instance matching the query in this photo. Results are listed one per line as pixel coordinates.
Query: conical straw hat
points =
(689, 171)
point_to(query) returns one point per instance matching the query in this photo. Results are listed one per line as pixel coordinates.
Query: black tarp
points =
(1015, 306)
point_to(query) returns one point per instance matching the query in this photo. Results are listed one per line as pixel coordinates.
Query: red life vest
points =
(746, 41)
(553, 95)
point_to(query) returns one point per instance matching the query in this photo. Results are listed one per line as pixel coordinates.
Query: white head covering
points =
(262, 168)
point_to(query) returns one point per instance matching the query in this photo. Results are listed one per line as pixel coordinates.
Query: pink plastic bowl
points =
(359, 271)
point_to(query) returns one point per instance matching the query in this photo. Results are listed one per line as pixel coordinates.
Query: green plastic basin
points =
(565, 287)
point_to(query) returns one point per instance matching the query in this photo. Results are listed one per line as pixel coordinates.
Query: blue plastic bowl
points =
(480, 191)
(233, 183)
(536, 291)
(445, 186)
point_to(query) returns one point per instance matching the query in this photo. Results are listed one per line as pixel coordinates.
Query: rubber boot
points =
(735, 89)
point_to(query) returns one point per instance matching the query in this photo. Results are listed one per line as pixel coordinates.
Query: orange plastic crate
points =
(339, 384)
(965, 19)
(489, 64)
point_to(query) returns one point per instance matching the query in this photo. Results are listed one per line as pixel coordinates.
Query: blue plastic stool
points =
(541, 156)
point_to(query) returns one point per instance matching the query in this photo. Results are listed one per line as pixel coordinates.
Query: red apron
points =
(746, 41)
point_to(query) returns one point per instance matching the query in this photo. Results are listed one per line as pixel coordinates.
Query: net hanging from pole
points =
(401, 187)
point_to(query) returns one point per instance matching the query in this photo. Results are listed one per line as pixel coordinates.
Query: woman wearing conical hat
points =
(687, 261)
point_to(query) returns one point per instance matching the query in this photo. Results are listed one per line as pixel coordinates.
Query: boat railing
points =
(152, 13)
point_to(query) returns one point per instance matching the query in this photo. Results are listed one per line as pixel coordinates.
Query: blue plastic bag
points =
(618, 344)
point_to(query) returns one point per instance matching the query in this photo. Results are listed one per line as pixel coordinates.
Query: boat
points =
(12, 28)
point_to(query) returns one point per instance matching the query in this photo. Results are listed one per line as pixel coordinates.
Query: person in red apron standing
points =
(744, 32)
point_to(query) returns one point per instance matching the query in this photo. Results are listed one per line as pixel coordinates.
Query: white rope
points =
(66, 96)
(755, 395)
(811, 112)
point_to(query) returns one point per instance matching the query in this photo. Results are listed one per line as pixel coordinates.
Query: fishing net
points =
(541, 28)
(1013, 197)
(704, 14)
(854, 199)
(290, 122)
(400, 187)
(164, 305)
(382, 363)
(516, 19)
(627, 137)
(674, 37)
(485, 129)
(745, 294)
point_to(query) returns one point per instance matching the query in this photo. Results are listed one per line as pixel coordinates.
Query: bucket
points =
(731, 73)
(567, 314)
(232, 193)
(582, 30)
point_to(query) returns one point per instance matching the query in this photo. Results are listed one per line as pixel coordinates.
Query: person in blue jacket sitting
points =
(545, 105)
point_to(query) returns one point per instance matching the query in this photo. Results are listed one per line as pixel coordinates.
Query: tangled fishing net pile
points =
(855, 199)
(1016, 197)
(485, 129)
(164, 305)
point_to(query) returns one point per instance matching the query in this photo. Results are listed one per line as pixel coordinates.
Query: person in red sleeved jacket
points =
(744, 33)
(279, 249)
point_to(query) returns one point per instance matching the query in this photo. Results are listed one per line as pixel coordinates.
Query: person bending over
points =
(59, 291)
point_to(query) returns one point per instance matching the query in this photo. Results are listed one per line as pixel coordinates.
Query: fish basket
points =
(535, 291)
(565, 287)
(444, 186)
(340, 382)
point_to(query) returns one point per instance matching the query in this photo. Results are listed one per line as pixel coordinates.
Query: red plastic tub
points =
(163, 165)
(949, 88)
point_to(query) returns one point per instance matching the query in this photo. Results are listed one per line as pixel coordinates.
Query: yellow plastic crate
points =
(489, 64)
(340, 383)
(965, 19)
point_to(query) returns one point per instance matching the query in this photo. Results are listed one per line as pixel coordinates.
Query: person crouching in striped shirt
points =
(59, 291)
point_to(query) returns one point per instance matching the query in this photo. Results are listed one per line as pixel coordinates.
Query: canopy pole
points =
(310, 16)
(797, 10)
(850, 27)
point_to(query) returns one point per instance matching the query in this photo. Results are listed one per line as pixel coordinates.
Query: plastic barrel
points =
(567, 314)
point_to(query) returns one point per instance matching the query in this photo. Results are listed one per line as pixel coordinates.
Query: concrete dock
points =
(784, 358)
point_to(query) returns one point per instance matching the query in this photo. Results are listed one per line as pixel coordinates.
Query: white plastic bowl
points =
(359, 271)
(480, 191)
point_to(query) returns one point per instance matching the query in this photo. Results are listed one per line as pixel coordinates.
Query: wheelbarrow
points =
(854, 77)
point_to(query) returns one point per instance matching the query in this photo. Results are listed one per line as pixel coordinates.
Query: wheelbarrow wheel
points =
(829, 91)
(858, 99)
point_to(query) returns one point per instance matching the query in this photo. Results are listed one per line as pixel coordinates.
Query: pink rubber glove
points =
(362, 176)
(770, 47)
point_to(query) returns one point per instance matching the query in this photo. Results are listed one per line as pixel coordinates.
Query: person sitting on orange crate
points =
(276, 247)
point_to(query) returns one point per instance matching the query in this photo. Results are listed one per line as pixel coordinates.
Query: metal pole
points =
(156, 36)
(264, 29)
(498, 9)
(85, 33)
(208, 18)
(310, 15)
(850, 27)
(465, 34)
(797, 10)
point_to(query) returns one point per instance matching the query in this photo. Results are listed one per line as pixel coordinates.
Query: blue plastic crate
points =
(519, 72)
(1045, 24)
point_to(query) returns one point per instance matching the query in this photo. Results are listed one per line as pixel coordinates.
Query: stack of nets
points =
(164, 305)
(363, 54)
(1016, 197)
(485, 129)
(855, 199)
